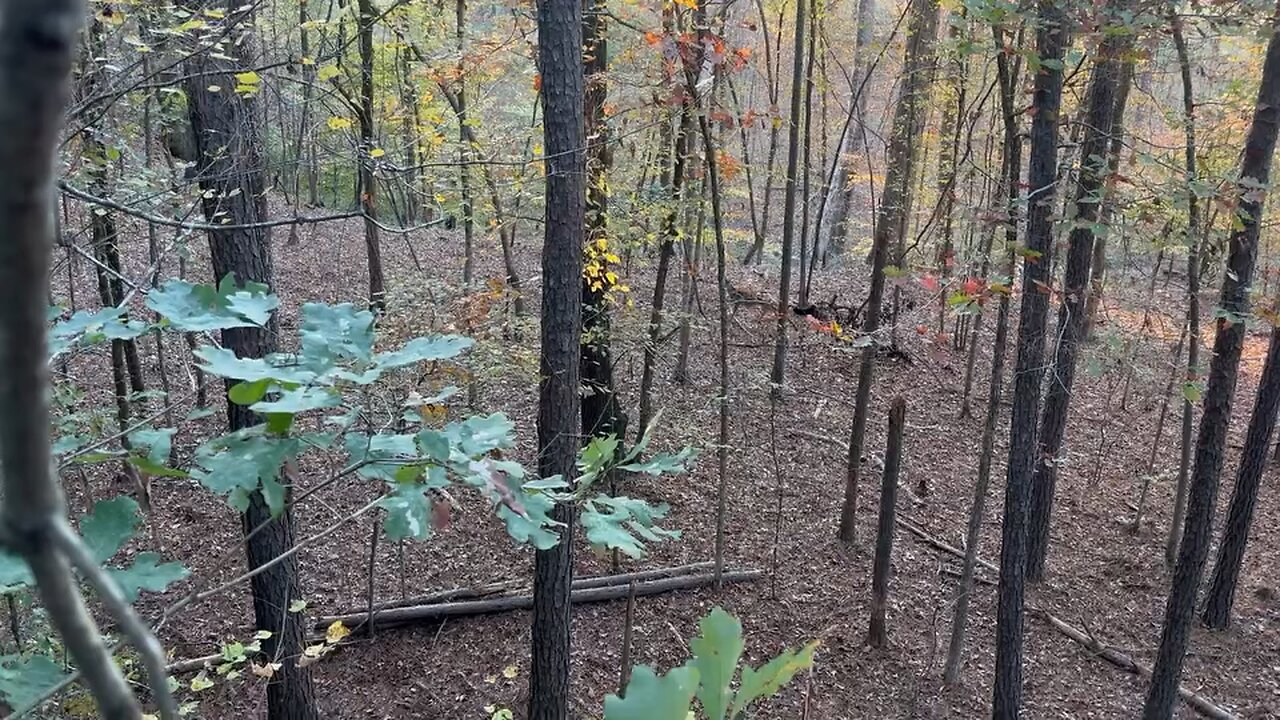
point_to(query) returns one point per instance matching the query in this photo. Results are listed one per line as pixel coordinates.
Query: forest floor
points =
(1101, 576)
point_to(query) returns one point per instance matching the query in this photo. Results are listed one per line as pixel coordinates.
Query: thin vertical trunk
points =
(878, 634)
(464, 149)
(778, 374)
(806, 164)
(1098, 267)
(834, 225)
(772, 56)
(977, 512)
(1193, 293)
(907, 123)
(1095, 169)
(1255, 171)
(1052, 37)
(368, 142)
(948, 153)
(559, 404)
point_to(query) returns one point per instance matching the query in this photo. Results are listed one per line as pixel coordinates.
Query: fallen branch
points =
(935, 542)
(427, 613)
(509, 588)
(1200, 703)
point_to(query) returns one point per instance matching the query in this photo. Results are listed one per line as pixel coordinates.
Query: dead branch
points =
(439, 611)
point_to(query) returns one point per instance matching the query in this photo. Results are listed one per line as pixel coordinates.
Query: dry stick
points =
(777, 478)
(428, 613)
(1155, 444)
(1200, 703)
(512, 588)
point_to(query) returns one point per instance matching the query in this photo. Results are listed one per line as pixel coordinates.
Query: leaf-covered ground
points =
(786, 481)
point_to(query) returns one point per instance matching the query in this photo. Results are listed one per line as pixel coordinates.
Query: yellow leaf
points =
(377, 153)
(308, 60)
(509, 672)
(215, 13)
(192, 24)
(336, 632)
(264, 671)
(339, 123)
(248, 78)
(328, 72)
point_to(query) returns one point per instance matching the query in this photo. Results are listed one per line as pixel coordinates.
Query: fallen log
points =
(425, 613)
(1200, 703)
(518, 587)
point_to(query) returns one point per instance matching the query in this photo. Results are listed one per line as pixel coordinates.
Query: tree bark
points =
(230, 171)
(368, 142)
(878, 635)
(907, 124)
(464, 149)
(1012, 175)
(778, 374)
(559, 406)
(1193, 293)
(1100, 122)
(1052, 38)
(1255, 171)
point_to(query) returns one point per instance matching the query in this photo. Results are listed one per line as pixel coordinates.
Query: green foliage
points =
(201, 308)
(24, 680)
(708, 676)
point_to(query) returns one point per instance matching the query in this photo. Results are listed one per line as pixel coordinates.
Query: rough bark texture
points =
(560, 60)
(1051, 40)
(1255, 171)
(908, 119)
(230, 172)
(1235, 535)
(1100, 120)
(878, 635)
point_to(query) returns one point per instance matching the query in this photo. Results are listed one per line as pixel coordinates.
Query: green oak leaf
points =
(650, 697)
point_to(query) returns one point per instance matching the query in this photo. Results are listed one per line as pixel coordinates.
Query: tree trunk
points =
(1100, 122)
(464, 149)
(778, 374)
(559, 408)
(1010, 182)
(1193, 294)
(601, 413)
(1235, 535)
(1052, 38)
(907, 124)
(230, 172)
(878, 635)
(368, 142)
(834, 224)
(1255, 170)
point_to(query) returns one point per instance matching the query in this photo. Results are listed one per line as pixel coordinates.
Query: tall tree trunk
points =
(1098, 266)
(601, 413)
(1052, 38)
(778, 374)
(908, 119)
(834, 224)
(806, 162)
(1095, 169)
(368, 142)
(1255, 171)
(1244, 498)
(1193, 293)
(559, 406)
(772, 56)
(949, 151)
(464, 149)
(1010, 183)
(230, 171)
